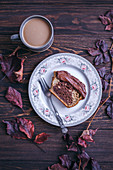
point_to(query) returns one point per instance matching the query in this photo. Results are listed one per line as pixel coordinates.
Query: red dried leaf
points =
(40, 138)
(109, 27)
(94, 52)
(13, 129)
(26, 126)
(57, 167)
(65, 161)
(105, 20)
(86, 137)
(12, 66)
(82, 142)
(14, 97)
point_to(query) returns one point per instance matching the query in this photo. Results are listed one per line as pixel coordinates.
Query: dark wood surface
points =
(76, 28)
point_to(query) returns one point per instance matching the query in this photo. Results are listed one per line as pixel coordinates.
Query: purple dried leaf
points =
(98, 59)
(105, 85)
(84, 157)
(94, 52)
(106, 57)
(102, 71)
(109, 27)
(103, 46)
(72, 147)
(109, 110)
(109, 14)
(98, 44)
(13, 130)
(111, 53)
(68, 139)
(94, 164)
(108, 76)
(105, 20)
(65, 161)
(75, 166)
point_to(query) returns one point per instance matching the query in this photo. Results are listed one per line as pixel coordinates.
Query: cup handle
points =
(15, 37)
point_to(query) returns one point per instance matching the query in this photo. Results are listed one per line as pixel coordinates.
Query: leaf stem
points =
(32, 141)
(79, 164)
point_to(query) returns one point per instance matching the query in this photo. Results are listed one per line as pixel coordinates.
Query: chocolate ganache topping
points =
(77, 84)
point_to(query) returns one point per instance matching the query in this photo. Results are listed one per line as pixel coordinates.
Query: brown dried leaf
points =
(12, 66)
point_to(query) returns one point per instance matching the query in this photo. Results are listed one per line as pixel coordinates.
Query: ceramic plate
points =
(76, 66)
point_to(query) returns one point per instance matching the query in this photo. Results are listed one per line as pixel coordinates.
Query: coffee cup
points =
(36, 33)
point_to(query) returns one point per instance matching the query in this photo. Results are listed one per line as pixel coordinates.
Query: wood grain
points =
(77, 27)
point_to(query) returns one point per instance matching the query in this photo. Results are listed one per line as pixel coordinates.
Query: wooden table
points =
(77, 27)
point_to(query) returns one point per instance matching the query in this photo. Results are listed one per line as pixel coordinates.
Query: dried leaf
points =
(103, 46)
(57, 167)
(40, 138)
(13, 129)
(108, 76)
(12, 66)
(102, 71)
(68, 139)
(14, 97)
(84, 157)
(86, 137)
(105, 20)
(109, 14)
(105, 85)
(65, 161)
(82, 142)
(98, 59)
(109, 27)
(98, 44)
(94, 52)
(111, 53)
(95, 165)
(19, 73)
(109, 110)
(26, 126)
(75, 166)
(72, 147)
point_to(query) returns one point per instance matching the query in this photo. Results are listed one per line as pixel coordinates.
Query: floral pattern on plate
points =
(76, 65)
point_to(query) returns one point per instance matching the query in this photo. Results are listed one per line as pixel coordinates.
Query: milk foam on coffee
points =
(36, 32)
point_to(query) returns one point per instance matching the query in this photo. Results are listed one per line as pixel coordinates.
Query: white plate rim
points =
(57, 55)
